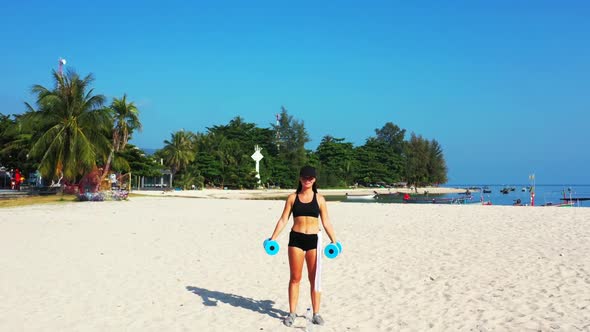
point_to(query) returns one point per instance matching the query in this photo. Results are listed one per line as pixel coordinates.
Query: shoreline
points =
(283, 193)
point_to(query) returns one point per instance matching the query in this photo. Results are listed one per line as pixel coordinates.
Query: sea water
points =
(544, 194)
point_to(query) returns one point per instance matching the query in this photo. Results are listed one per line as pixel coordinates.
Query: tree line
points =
(70, 131)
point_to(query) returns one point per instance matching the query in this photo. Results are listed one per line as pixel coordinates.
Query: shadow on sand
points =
(210, 298)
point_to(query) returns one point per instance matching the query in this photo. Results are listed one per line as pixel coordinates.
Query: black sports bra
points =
(311, 209)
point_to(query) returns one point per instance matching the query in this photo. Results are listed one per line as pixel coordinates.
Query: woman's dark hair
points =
(314, 187)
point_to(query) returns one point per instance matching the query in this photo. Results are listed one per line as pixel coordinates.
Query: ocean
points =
(544, 194)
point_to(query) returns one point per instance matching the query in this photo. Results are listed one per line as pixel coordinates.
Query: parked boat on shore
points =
(389, 196)
(398, 197)
(361, 197)
(437, 200)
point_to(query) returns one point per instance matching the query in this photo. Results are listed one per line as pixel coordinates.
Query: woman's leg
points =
(310, 259)
(296, 257)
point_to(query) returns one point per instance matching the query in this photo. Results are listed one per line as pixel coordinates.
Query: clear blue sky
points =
(502, 85)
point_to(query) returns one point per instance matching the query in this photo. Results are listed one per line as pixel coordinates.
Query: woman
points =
(307, 207)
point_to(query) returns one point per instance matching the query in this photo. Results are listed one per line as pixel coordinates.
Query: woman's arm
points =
(284, 217)
(326, 219)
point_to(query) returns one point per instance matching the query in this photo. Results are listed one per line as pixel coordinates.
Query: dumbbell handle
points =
(332, 250)
(271, 246)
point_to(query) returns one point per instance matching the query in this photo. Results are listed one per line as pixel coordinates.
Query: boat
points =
(576, 199)
(564, 204)
(480, 202)
(437, 200)
(389, 196)
(361, 197)
(486, 190)
(397, 197)
(518, 202)
(568, 200)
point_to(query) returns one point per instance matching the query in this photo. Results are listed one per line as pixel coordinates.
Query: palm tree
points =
(74, 127)
(178, 152)
(125, 120)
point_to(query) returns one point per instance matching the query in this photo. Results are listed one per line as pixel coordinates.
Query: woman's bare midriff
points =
(306, 225)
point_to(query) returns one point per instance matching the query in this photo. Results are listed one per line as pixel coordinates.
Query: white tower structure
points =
(278, 134)
(257, 156)
(61, 62)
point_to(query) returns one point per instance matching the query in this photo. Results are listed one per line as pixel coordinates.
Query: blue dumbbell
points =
(332, 250)
(271, 247)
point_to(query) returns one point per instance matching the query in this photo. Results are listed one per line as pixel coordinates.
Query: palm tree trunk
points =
(107, 167)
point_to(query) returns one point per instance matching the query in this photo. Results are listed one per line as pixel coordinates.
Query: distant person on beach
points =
(17, 179)
(307, 207)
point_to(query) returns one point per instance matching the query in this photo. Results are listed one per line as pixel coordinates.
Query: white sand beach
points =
(188, 264)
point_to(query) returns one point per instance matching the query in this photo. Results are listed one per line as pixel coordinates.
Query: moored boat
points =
(389, 196)
(437, 200)
(361, 197)
(564, 204)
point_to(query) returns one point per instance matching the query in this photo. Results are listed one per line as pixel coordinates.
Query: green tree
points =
(233, 144)
(246, 134)
(214, 153)
(417, 158)
(336, 162)
(371, 161)
(437, 167)
(125, 119)
(290, 140)
(139, 164)
(74, 127)
(393, 136)
(14, 142)
(6, 126)
(224, 154)
(391, 139)
(178, 152)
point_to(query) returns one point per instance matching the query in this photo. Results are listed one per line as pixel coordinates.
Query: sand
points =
(189, 264)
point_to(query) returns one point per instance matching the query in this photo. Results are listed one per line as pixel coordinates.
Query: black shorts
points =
(303, 241)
